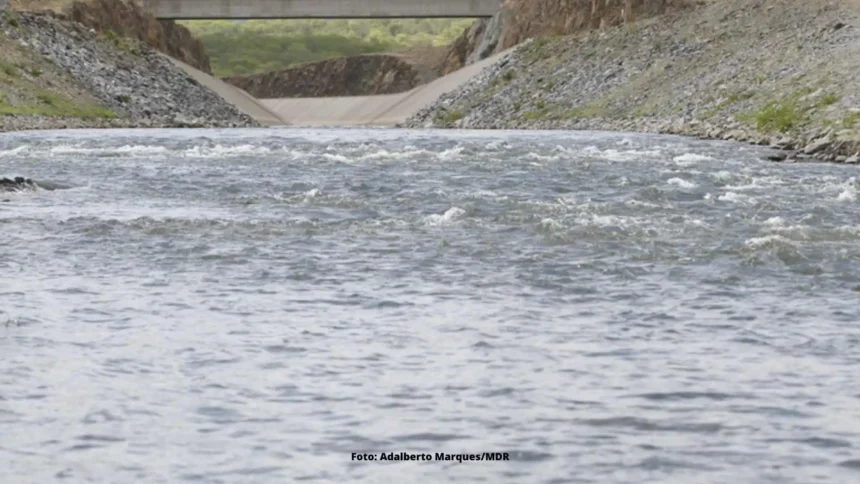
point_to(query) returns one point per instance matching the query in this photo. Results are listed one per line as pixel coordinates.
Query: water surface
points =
(255, 305)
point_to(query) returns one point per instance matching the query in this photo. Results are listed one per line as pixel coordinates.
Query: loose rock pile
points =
(778, 73)
(129, 77)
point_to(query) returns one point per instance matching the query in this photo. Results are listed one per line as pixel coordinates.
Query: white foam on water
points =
(549, 225)
(605, 220)
(767, 241)
(336, 157)
(681, 183)
(449, 216)
(540, 157)
(125, 150)
(15, 151)
(849, 194)
(485, 195)
(775, 222)
(627, 155)
(640, 203)
(451, 153)
(688, 159)
(383, 154)
(219, 151)
(735, 197)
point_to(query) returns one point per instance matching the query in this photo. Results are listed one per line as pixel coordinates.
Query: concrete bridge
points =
(250, 9)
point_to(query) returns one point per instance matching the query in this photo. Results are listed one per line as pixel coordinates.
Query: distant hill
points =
(255, 46)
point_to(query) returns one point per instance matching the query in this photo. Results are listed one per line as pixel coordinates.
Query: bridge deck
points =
(250, 9)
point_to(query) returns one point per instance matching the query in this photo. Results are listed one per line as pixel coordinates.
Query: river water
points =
(257, 305)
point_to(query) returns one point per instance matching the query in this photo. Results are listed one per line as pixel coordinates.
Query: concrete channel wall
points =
(385, 110)
(243, 101)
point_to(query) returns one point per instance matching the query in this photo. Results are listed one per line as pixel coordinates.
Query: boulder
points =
(816, 146)
(16, 184)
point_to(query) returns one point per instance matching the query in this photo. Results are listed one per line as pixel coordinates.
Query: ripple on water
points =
(257, 305)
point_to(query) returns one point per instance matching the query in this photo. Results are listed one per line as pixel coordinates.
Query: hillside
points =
(257, 46)
(776, 72)
(60, 74)
(125, 19)
(31, 86)
(362, 75)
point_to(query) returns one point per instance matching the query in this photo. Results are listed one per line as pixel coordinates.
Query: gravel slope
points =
(775, 72)
(132, 84)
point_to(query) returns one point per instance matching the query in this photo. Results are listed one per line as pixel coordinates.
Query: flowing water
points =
(257, 305)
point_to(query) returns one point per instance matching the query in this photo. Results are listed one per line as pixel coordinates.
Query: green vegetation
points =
(11, 19)
(38, 95)
(126, 44)
(52, 104)
(536, 114)
(783, 116)
(732, 98)
(849, 121)
(252, 46)
(590, 111)
(828, 100)
(796, 111)
(8, 70)
(449, 118)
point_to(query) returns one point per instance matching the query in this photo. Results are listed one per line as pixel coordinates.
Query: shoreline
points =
(786, 149)
(15, 124)
(779, 75)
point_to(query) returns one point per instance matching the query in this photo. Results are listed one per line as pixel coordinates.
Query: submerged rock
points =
(20, 183)
(17, 184)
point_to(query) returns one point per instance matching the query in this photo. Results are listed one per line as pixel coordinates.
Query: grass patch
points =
(8, 69)
(504, 79)
(828, 100)
(35, 72)
(124, 44)
(783, 116)
(449, 118)
(536, 114)
(851, 120)
(647, 110)
(732, 98)
(48, 98)
(50, 104)
(11, 19)
(585, 112)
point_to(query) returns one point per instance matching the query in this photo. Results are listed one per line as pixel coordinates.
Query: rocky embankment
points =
(127, 19)
(776, 72)
(520, 20)
(361, 75)
(67, 75)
